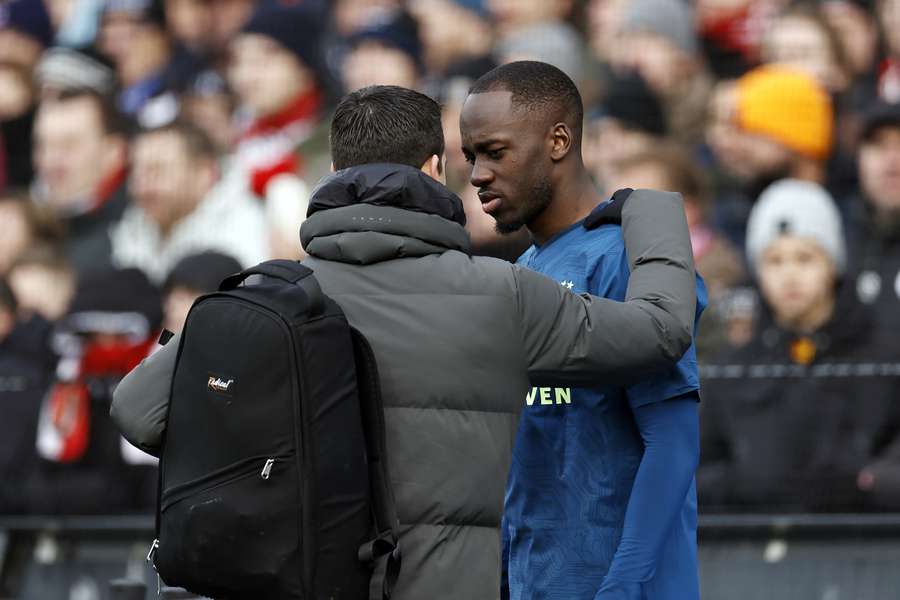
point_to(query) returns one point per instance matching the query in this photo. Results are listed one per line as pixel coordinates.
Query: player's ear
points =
(560, 141)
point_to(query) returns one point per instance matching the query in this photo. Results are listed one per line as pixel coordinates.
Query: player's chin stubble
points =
(537, 200)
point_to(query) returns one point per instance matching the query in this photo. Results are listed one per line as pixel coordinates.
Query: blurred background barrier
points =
(742, 557)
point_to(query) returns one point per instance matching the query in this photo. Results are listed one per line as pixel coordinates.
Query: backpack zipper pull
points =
(267, 469)
(153, 548)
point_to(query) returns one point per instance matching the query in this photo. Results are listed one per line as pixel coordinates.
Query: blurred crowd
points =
(148, 148)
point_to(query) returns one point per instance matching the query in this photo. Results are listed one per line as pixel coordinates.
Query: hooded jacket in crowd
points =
(26, 371)
(456, 338)
(789, 421)
(874, 242)
(84, 466)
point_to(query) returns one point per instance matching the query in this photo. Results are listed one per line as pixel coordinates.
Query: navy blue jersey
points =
(578, 450)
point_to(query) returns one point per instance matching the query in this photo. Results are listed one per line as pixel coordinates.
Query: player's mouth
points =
(490, 201)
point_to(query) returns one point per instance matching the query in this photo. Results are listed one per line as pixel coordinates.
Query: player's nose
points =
(480, 176)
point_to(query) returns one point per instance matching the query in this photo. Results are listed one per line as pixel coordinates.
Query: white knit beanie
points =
(801, 208)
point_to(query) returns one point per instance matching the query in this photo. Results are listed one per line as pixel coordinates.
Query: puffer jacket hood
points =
(372, 213)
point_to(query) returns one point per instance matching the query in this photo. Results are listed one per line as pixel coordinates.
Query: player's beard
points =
(536, 202)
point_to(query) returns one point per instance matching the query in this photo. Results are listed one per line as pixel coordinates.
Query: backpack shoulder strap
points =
(383, 552)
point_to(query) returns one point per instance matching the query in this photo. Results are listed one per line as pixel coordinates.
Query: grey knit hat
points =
(556, 43)
(801, 208)
(672, 19)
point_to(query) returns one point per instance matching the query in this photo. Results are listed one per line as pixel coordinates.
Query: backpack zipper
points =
(153, 548)
(267, 469)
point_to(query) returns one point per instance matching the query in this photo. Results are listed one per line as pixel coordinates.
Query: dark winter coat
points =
(789, 421)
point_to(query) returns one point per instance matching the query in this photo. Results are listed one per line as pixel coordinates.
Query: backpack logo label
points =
(217, 384)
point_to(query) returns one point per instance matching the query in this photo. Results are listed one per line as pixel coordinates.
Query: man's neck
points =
(573, 200)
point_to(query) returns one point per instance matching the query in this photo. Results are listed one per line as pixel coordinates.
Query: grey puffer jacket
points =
(456, 338)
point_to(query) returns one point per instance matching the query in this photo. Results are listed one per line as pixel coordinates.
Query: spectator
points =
(228, 18)
(24, 376)
(133, 35)
(23, 224)
(191, 24)
(512, 16)
(43, 282)
(771, 124)
(275, 72)
(658, 38)
(538, 30)
(455, 35)
(181, 208)
(629, 120)
(192, 277)
(553, 42)
(874, 222)
(384, 53)
(80, 159)
(24, 32)
(889, 71)
(732, 32)
(351, 16)
(856, 27)
(111, 326)
(207, 103)
(790, 421)
(801, 38)
(604, 18)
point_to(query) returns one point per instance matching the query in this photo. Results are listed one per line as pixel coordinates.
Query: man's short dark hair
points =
(386, 124)
(112, 120)
(536, 86)
(196, 142)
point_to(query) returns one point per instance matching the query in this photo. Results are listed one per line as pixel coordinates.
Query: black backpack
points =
(273, 477)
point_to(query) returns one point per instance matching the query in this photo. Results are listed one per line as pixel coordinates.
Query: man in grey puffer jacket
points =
(456, 337)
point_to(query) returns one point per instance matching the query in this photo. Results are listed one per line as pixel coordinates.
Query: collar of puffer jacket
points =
(379, 212)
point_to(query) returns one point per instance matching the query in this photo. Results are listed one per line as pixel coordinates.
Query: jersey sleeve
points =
(609, 278)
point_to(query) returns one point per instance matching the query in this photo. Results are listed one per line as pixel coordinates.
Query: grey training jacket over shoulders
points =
(456, 338)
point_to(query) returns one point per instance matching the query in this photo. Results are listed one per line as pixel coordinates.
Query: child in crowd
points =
(804, 416)
(191, 277)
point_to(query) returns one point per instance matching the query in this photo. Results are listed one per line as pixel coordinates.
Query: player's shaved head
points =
(538, 88)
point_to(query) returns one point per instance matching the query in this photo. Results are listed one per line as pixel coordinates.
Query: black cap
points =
(879, 115)
(296, 29)
(118, 301)
(630, 100)
(399, 31)
(202, 272)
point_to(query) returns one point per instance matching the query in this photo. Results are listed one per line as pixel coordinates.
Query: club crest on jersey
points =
(217, 384)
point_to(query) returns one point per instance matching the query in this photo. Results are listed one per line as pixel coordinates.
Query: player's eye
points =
(496, 154)
(469, 158)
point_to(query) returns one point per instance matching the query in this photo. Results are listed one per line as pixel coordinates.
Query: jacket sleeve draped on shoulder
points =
(575, 339)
